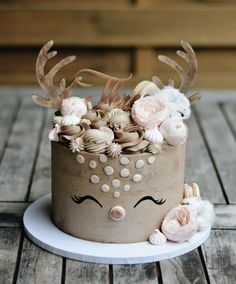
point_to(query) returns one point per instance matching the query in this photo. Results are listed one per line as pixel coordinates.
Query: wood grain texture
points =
(222, 145)
(18, 159)
(199, 166)
(38, 266)
(135, 273)
(9, 242)
(11, 213)
(225, 217)
(82, 272)
(41, 183)
(184, 269)
(197, 23)
(219, 253)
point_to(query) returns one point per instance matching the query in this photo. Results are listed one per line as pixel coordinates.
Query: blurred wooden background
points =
(119, 37)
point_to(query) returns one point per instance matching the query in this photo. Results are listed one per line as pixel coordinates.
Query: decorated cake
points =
(118, 159)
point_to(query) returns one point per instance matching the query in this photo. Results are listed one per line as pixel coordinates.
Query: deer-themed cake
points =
(118, 159)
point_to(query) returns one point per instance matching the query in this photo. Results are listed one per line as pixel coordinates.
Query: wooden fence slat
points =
(135, 273)
(18, 159)
(9, 243)
(38, 266)
(199, 167)
(219, 252)
(184, 269)
(42, 175)
(197, 23)
(11, 213)
(83, 272)
(222, 145)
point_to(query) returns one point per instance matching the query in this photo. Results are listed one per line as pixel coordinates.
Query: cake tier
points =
(114, 200)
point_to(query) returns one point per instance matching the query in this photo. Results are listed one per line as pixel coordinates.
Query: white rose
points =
(73, 105)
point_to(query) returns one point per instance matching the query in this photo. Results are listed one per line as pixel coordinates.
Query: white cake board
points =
(41, 230)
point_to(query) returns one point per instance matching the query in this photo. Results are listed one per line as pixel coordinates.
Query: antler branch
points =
(46, 80)
(186, 79)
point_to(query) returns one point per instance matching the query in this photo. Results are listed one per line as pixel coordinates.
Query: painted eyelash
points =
(156, 201)
(80, 199)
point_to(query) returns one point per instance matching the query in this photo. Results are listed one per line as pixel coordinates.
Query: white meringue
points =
(70, 119)
(157, 238)
(153, 135)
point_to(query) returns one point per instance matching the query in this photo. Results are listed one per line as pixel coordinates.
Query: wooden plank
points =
(229, 110)
(82, 272)
(198, 163)
(225, 217)
(184, 269)
(8, 110)
(41, 183)
(102, 59)
(135, 273)
(9, 243)
(198, 23)
(11, 213)
(221, 144)
(18, 159)
(219, 252)
(38, 266)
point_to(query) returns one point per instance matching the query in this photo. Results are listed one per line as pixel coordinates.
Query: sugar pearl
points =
(115, 183)
(124, 161)
(108, 170)
(139, 164)
(151, 160)
(124, 172)
(116, 194)
(105, 187)
(126, 187)
(80, 159)
(94, 179)
(137, 178)
(103, 158)
(92, 164)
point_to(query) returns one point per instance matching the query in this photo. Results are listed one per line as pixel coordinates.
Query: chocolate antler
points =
(186, 79)
(46, 80)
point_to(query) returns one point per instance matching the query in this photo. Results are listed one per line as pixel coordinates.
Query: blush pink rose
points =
(150, 111)
(180, 224)
(174, 131)
(73, 105)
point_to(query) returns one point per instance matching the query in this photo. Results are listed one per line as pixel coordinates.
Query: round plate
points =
(41, 230)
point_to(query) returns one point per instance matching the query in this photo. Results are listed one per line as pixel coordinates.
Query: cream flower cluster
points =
(155, 114)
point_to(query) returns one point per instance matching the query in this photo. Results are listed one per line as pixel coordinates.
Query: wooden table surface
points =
(25, 175)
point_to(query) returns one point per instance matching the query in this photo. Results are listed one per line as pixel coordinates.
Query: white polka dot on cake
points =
(137, 178)
(151, 160)
(126, 187)
(103, 158)
(115, 183)
(124, 161)
(80, 159)
(139, 164)
(108, 170)
(94, 179)
(116, 194)
(105, 187)
(92, 164)
(124, 172)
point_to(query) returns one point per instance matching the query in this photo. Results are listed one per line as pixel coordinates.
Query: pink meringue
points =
(174, 131)
(73, 105)
(150, 111)
(53, 134)
(180, 224)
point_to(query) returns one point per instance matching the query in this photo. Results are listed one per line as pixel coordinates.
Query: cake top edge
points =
(148, 120)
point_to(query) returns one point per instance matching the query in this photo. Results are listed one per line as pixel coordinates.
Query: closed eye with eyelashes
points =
(156, 201)
(80, 199)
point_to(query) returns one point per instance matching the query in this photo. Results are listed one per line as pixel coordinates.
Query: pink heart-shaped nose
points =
(117, 213)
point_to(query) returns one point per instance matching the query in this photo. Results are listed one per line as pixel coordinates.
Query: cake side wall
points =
(90, 220)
